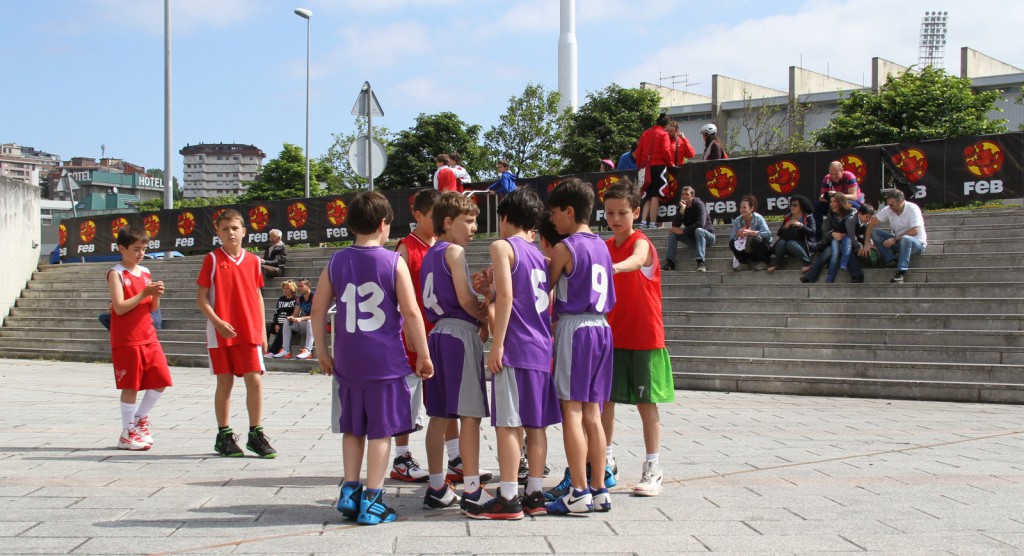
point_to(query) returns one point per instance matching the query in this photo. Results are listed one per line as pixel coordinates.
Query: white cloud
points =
(383, 46)
(187, 16)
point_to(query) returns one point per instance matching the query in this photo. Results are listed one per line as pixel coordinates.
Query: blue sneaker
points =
(373, 510)
(602, 500)
(575, 502)
(610, 480)
(348, 500)
(561, 489)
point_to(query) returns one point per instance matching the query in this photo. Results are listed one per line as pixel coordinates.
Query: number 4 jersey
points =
(588, 288)
(368, 325)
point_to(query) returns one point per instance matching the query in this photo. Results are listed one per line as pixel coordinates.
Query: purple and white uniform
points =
(371, 395)
(457, 387)
(583, 339)
(523, 394)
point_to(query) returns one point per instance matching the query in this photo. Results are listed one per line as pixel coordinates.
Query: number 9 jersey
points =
(368, 324)
(588, 288)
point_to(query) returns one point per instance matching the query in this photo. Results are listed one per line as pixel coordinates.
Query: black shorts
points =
(657, 178)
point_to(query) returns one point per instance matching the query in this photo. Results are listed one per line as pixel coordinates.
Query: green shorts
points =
(642, 376)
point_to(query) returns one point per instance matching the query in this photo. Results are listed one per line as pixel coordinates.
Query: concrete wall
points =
(881, 69)
(803, 81)
(674, 97)
(975, 64)
(19, 246)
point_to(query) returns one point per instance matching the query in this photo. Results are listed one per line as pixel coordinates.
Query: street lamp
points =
(306, 14)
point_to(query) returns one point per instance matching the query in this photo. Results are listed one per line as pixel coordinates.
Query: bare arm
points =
(223, 327)
(415, 332)
(868, 242)
(455, 256)
(120, 305)
(502, 257)
(321, 305)
(640, 258)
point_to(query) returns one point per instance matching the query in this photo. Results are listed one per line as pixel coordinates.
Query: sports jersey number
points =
(541, 300)
(372, 295)
(429, 299)
(599, 281)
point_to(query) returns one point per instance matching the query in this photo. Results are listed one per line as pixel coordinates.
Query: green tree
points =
(179, 192)
(912, 106)
(766, 129)
(344, 177)
(606, 126)
(158, 203)
(530, 133)
(284, 177)
(411, 157)
(1020, 101)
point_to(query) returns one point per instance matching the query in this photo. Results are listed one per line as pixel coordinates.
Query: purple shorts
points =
(457, 388)
(524, 398)
(583, 358)
(377, 410)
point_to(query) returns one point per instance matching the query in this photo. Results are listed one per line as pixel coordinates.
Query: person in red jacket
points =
(654, 155)
(680, 145)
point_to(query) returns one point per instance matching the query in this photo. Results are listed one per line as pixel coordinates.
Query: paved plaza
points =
(745, 473)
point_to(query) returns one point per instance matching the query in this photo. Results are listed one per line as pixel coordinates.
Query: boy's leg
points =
(575, 443)
(222, 398)
(434, 441)
(595, 443)
(508, 459)
(377, 456)
(254, 397)
(651, 421)
(469, 448)
(128, 397)
(536, 453)
(608, 421)
(352, 456)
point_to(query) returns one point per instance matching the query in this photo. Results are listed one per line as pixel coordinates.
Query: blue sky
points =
(81, 73)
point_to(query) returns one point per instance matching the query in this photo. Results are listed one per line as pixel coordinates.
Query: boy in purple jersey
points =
(456, 348)
(581, 270)
(522, 390)
(372, 290)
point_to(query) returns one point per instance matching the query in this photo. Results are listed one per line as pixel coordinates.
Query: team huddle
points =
(575, 327)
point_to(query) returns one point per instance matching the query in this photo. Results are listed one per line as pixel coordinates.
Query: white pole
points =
(567, 74)
(168, 175)
(369, 133)
(307, 107)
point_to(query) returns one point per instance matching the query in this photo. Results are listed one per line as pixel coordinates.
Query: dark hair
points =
(751, 200)
(866, 209)
(547, 231)
(635, 145)
(450, 205)
(805, 204)
(505, 163)
(521, 208)
(443, 159)
(624, 189)
(575, 193)
(366, 211)
(130, 235)
(228, 214)
(662, 120)
(844, 204)
(455, 157)
(424, 199)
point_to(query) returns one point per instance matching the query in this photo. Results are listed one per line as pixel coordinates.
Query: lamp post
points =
(306, 14)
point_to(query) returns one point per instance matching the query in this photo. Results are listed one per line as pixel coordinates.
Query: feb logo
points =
(984, 158)
(671, 187)
(912, 162)
(87, 231)
(337, 212)
(783, 176)
(259, 217)
(554, 184)
(152, 225)
(297, 215)
(604, 184)
(62, 234)
(186, 223)
(721, 181)
(116, 224)
(855, 165)
(216, 215)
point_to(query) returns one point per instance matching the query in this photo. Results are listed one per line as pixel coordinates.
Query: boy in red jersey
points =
(139, 361)
(229, 296)
(642, 373)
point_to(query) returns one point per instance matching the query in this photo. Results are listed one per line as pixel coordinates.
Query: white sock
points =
(509, 490)
(609, 454)
(534, 484)
(453, 448)
(471, 484)
(652, 458)
(401, 450)
(436, 481)
(127, 415)
(148, 401)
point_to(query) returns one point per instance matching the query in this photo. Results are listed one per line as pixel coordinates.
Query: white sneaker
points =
(650, 480)
(281, 354)
(142, 428)
(130, 440)
(304, 354)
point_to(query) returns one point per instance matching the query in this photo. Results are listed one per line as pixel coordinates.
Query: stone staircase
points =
(953, 331)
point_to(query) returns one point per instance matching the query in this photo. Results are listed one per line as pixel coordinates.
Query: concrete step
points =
(842, 306)
(845, 348)
(868, 335)
(948, 290)
(686, 274)
(748, 319)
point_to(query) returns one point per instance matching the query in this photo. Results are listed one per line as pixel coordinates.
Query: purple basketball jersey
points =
(367, 327)
(528, 339)
(439, 297)
(588, 288)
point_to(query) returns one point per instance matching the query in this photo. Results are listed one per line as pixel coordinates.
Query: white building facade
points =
(218, 169)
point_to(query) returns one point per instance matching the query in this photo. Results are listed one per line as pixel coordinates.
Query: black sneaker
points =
(472, 501)
(439, 499)
(524, 471)
(857, 279)
(227, 444)
(260, 445)
(456, 475)
(898, 278)
(534, 504)
(669, 265)
(701, 267)
(498, 507)
(890, 264)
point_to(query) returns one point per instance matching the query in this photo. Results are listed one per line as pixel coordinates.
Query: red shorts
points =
(236, 360)
(142, 367)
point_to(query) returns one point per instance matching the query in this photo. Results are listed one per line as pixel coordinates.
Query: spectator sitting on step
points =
(865, 213)
(750, 241)
(299, 321)
(839, 181)
(274, 257)
(796, 234)
(691, 225)
(285, 307)
(839, 233)
(907, 237)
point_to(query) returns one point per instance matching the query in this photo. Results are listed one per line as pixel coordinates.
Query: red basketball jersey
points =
(235, 295)
(135, 327)
(636, 319)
